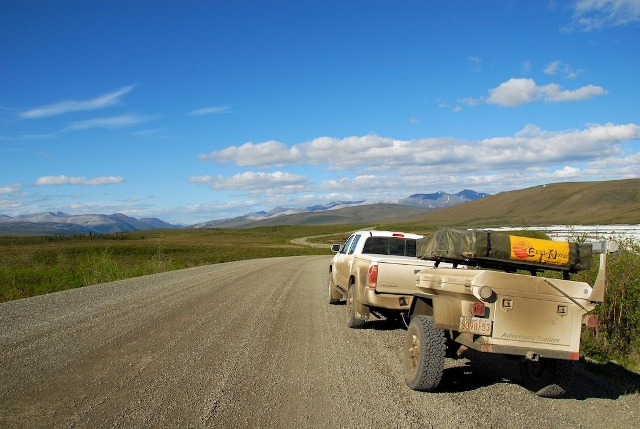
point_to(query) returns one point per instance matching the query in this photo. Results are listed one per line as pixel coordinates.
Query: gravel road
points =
(252, 344)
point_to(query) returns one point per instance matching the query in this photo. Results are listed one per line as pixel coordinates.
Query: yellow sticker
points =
(539, 251)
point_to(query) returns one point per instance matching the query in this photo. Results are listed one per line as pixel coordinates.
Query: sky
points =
(191, 111)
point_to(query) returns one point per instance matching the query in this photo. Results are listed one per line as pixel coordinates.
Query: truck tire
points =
(546, 377)
(424, 350)
(334, 295)
(352, 318)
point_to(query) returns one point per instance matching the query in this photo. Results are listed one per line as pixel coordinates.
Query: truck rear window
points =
(390, 246)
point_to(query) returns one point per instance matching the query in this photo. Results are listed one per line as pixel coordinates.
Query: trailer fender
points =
(442, 309)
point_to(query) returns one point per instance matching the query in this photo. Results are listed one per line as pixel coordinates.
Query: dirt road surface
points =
(251, 344)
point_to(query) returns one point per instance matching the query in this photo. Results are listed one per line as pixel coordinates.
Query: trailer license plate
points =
(475, 325)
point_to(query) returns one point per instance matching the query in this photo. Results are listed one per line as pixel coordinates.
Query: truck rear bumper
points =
(387, 301)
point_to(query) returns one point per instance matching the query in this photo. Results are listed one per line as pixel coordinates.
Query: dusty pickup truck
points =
(375, 271)
(502, 304)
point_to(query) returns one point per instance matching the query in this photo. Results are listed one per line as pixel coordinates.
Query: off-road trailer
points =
(491, 308)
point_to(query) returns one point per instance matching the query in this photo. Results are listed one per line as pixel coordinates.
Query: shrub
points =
(618, 333)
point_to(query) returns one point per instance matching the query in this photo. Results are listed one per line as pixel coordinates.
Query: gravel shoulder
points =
(252, 344)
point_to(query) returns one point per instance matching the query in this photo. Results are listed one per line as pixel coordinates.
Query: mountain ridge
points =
(53, 223)
(570, 203)
(395, 211)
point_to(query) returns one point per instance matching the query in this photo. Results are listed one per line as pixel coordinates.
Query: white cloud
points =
(214, 110)
(556, 67)
(514, 92)
(100, 102)
(276, 182)
(64, 180)
(111, 122)
(531, 145)
(200, 179)
(11, 189)
(518, 91)
(554, 93)
(250, 154)
(592, 15)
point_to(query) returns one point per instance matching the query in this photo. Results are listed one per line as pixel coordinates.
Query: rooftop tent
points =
(508, 252)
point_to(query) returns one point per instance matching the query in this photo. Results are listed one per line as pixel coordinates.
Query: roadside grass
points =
(31, 266)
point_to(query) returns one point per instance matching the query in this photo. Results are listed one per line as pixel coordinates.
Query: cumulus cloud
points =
(375, 153)
(276, 182)
(106, 100)
(250, 154)
(518, 91)
(65, 180)
(590, 15)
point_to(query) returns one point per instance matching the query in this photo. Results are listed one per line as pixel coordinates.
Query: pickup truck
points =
(374, 271)
(495, 306)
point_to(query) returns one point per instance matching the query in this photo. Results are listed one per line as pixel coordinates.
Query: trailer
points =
(497, 300)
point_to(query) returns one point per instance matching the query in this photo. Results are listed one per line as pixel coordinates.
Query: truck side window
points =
(354, 243)
(346, 245)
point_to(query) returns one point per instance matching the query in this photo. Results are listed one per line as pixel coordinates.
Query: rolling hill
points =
(571, 203)
(579, 203)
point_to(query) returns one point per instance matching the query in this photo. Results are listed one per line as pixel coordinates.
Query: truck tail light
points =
(478, 309)
(373, 276)
(397, 234)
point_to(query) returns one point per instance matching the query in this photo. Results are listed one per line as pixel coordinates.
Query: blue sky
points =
(198, 110)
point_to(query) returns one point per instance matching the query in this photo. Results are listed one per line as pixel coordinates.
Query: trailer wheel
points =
(546, 377)
(334, 295)
(352, 318)
(424, 350)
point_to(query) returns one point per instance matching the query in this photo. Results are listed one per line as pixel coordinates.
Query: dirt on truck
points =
(501, 304)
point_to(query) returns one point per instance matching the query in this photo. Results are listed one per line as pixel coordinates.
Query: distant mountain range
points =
(348, 212)
(613, 202)
(61, 223)
(339, 212)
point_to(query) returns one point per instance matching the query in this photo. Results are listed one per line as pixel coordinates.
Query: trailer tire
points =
(546, 377)
(334, 295)
(424, 354)
(352, 318)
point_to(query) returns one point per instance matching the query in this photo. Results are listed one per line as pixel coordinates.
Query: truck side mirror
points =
(335, 247)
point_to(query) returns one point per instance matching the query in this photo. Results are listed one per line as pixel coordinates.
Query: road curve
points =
(251, 344)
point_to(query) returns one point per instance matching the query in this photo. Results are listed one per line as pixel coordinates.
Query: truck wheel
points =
(546, 377)
(424, 349)
(334, 295)
(352, 319)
